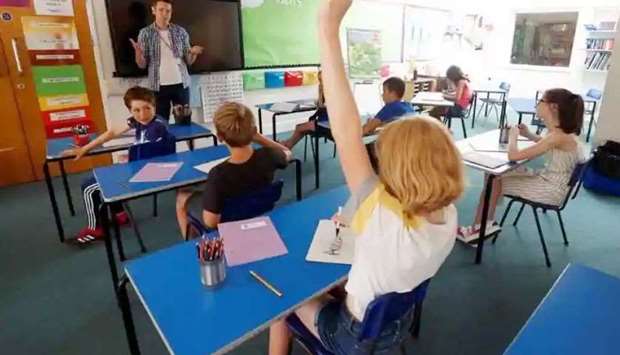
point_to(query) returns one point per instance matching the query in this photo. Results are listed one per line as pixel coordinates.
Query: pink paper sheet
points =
(156, 172)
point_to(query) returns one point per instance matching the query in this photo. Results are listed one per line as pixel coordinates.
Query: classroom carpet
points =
(57, 299)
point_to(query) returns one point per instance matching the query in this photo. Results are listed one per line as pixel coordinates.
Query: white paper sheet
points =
(325, 248)
(206, 167)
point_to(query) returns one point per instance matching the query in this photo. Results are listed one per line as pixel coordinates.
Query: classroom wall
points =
(608, 125)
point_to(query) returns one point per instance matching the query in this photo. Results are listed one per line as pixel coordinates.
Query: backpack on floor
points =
(594, 180)
(607, 159)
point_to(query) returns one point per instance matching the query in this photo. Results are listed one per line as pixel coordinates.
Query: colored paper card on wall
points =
(65, 129)
(50, 33)
(53, 7)
(253, 80)
(54, 57)
(55, 117)
(62, 102)
(293, 78)
(15, 3)
(58, 80)
(274, 79)
(311, 78)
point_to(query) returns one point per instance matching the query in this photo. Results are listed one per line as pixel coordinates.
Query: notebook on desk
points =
(156, 172)
(284, 107)
(485, 160)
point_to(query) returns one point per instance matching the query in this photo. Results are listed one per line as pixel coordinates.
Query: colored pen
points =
(266, 284)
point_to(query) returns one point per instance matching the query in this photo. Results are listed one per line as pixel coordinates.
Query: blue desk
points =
(579, 315)
(55, 147)
(275, 114)
(194, 320)
(115, 187)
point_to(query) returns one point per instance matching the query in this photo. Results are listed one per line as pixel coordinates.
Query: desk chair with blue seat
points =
(148, 150)
(241, 207)
(380, 313)
(572, 187)
(592, 97)
(494, 102)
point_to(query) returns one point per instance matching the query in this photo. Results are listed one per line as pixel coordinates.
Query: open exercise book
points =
(327, 248)
(206, 167)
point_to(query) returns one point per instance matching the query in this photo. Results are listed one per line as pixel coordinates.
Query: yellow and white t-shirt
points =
(393, 253)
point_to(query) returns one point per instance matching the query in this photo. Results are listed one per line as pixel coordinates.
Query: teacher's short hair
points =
(138, 93)
(154, 2)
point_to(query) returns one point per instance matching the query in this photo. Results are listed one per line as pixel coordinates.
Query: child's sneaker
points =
(470, 234)
(88, 235)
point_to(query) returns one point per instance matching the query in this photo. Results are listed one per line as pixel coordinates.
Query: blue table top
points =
(579, 315)
(267, 106)
(522, 105)
(114, 179)
(55, 147)
(194, 320)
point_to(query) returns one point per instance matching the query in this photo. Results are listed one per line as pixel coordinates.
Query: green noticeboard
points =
(59, 80)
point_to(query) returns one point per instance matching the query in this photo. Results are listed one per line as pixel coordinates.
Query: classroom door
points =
(15, 162)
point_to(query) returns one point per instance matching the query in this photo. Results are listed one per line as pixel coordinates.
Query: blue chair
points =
(380, 313)
(241, 207)
(573, 186)
(148, 150)
(590, 109)
(447, 120)
(494, 102)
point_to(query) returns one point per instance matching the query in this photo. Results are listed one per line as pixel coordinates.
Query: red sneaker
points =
(87, 235)
(121, 218)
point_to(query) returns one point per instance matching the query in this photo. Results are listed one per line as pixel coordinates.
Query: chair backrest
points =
(252, 204)
(389, 308)
(575, 178)
(166, 145)
(505, 86)
(594, 94)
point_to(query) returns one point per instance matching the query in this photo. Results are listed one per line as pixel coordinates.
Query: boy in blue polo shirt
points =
(148, 126)
(393, 91)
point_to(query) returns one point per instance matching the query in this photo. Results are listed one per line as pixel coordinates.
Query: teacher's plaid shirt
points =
(149, 41)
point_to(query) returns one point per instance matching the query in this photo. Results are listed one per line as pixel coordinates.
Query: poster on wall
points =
(53, 7)
(50, 33)
(364, 53)
(62, 102)
(15, 3)
(59, 80)
(54, 57)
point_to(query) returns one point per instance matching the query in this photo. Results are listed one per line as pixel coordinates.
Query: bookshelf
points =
(599, 46)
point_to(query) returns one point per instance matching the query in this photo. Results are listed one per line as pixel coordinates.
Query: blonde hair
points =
(234, 124)
(419, 165)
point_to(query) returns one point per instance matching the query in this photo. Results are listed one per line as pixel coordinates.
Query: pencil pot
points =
(81, 139)
(213, 273)
(184, 120)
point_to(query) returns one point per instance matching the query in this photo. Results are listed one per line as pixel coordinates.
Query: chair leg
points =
(542, 237)
(134, 225)
(417, 319)
(577, 189)
(334, 155)
(305, 148)
(501, 223)
(464, 129)
(518, 215)
(155, 205)
(562, 227)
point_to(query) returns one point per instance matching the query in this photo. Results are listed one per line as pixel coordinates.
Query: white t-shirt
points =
(169, 72)
(393, 253)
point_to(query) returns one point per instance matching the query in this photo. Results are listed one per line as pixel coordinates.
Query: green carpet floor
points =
(57, 299)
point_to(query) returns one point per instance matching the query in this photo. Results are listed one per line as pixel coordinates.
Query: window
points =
(544, 39)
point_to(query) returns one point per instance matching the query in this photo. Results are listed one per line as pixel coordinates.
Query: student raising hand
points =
(344, 118)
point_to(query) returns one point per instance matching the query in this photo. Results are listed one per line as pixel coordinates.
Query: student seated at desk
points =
(149, 128)
(393, 91)
(562, 113)
(459, 91)
(404, 218)
(246, 169)
(320, 115)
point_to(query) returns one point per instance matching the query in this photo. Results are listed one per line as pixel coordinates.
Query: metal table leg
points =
(591, 121)
(130, 330)
(298, 178)
(105, 225)
(273, 127)
(260, 121)
(485, 216)
(66, 184)
(52, 195)
(316, 157)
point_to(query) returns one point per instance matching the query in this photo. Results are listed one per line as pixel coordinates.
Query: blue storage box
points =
(274, 79)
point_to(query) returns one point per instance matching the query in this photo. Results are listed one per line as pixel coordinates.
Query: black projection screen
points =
(213, 24)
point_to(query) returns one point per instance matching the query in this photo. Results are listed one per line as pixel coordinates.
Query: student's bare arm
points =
(370, 126)
(343, 115)
(210, 219)
(100, 140)
(542, 146)
(266, 142)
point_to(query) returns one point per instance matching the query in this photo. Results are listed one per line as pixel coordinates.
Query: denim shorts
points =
(339, 331)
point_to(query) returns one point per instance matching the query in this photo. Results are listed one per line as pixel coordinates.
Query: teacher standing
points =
(164, 49)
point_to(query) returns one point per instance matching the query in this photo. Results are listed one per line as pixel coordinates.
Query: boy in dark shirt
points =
(246, 170)
(149, 128)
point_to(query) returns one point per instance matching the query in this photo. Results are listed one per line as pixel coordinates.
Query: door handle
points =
(18, 61)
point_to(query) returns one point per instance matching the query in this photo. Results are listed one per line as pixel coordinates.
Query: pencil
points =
(265, 283)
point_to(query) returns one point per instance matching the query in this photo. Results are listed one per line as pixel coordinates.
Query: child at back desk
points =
(149, 128)
(246, 170)
(404, 218)
(392, 95)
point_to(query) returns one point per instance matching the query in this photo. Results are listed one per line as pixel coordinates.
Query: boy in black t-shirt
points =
(246, 170)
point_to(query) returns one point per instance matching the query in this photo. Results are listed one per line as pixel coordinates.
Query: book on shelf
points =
(598, 60)
(600, 44)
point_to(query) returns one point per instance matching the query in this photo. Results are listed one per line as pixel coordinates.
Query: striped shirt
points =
(149, 40)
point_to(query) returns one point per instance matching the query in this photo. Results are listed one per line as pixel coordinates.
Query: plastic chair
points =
(379, 314)
(495, 102)
(148, 150)
(596, 95)
(447, 120)
(323, 134)
(573, 186)
(241, 207)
